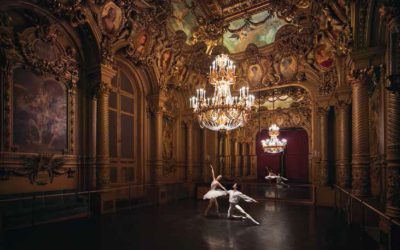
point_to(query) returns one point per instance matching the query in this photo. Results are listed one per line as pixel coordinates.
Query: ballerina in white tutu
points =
(271, 175)
(214, 193)
(234, 197)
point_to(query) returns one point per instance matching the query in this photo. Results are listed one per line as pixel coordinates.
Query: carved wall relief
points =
(40, 169)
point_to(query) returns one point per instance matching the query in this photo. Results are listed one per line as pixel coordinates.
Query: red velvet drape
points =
(295, 158)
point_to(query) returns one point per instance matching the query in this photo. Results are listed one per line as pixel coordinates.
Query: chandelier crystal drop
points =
(222, 111)
(273, 145)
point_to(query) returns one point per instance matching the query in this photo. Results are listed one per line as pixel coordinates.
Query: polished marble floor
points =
(181, 225)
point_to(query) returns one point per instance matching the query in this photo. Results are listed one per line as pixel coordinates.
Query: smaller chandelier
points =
(273, 145)
(223, 111)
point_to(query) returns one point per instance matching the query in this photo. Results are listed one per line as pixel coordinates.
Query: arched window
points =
(123, 125)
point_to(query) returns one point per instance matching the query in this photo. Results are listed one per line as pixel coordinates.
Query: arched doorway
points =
(293, 163)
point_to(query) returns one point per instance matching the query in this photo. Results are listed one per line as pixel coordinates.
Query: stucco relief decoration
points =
(74, 11)
(167, 139)
(329, 82)
(169, 118)
(45, 50)
(285, 63)
(40, 169)
(137, 48)
(334, 27)
(295, 117)
(111, 18)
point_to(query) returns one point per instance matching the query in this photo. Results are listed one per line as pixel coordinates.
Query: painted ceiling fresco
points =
(183, 18)
(259, 28)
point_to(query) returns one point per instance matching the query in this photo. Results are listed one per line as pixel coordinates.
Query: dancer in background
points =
(234, 197)
(271, 175)
(214, 193)
(279, 181)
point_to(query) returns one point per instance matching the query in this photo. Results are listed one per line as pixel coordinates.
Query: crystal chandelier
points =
(273, 145)
(223, 111)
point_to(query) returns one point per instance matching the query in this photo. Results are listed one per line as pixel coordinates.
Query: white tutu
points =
(214, 194)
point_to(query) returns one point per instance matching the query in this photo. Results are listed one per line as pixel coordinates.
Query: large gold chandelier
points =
(223, 111)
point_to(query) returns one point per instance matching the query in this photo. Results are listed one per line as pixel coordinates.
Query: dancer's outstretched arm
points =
(220, 185)
(247, 198)
(212, 172)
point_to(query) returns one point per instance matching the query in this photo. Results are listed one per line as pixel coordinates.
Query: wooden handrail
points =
(32, 197)
(373, 209)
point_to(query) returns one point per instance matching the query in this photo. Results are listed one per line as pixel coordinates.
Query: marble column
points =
(360, 136)
(323, 132)
(343, 141)
(102, 143)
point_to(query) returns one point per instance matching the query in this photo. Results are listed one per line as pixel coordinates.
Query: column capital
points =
(343, 104)
(366, 75)
(102, 88)
(188, 122)
(323, 110)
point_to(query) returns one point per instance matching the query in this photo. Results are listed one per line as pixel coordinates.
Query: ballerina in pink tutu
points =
(214, 193)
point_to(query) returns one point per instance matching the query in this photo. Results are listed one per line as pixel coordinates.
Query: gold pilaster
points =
(189, 150)
(323, 131)
(104, 74)
(360, 137)
(343, 140)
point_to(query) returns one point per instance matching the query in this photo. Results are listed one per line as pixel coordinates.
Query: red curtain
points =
(294, 160)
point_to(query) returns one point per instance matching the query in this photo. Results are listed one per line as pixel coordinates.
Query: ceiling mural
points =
(259, 29)
(183, 18)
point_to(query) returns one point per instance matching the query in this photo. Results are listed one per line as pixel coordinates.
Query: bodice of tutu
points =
(214, 185)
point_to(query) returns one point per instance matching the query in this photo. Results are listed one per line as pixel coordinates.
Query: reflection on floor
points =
(182, 226)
